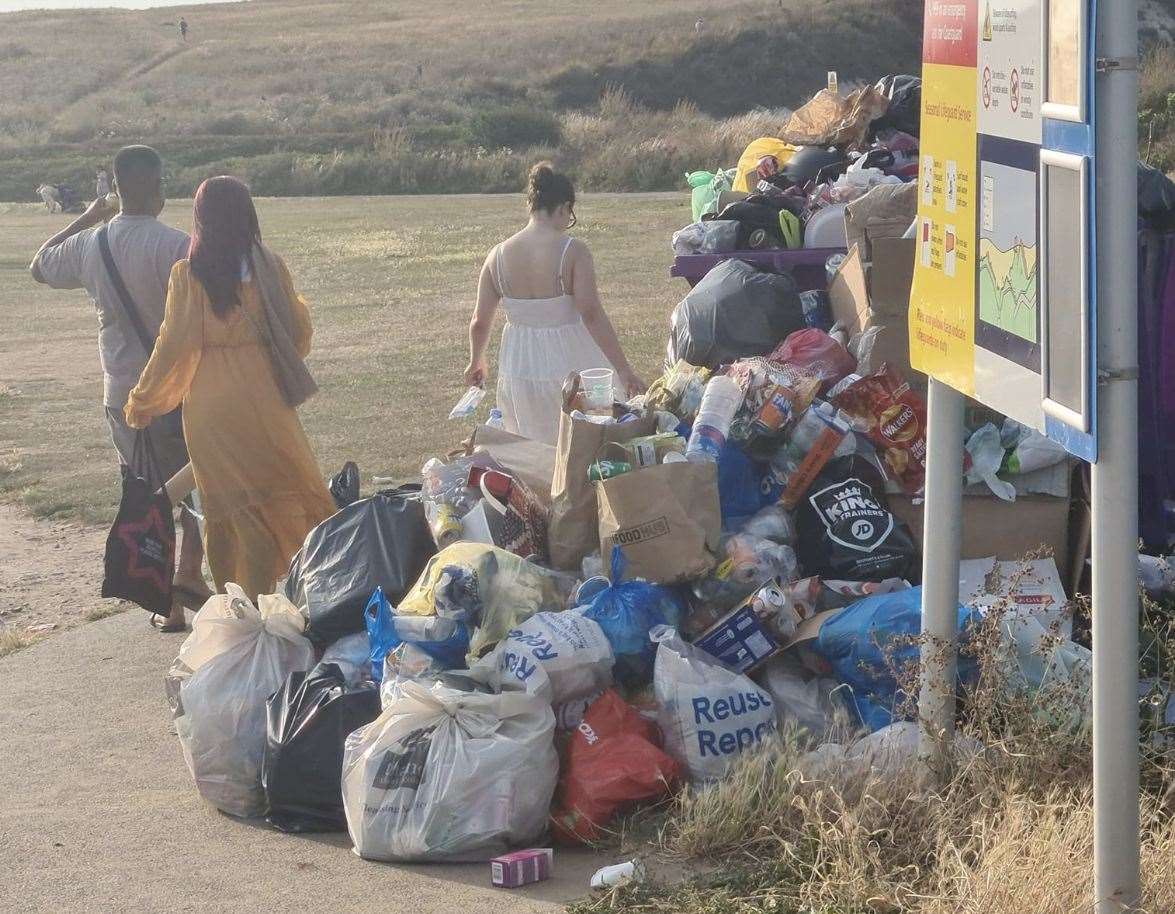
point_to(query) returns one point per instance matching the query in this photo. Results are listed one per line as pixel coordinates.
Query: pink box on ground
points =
(522, 867)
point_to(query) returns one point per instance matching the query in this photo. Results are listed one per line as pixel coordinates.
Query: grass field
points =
(390, 282)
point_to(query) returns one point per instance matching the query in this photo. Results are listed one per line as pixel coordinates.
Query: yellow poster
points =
(942, 299)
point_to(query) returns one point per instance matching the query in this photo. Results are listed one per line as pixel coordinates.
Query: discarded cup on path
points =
(619, 874)
(597, 391)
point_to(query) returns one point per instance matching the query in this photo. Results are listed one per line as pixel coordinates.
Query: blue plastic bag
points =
(386, 631)
(627, 611)
(744, 486)
(867, 641)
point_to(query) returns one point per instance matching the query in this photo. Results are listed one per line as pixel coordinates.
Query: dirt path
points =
(50, 574)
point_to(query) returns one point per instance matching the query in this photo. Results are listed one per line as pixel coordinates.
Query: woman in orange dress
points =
(227, 304)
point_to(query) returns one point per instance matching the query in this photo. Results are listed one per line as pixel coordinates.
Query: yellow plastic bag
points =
(491, 589)
(746, 180)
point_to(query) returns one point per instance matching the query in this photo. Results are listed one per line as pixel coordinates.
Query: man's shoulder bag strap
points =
(124, 295)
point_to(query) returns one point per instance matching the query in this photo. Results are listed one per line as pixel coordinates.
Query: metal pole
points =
(1115, 475)
(942, 537)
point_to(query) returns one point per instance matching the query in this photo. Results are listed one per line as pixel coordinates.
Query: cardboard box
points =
(741, 640)
(878, 298)
(509, 871)
(1003, 529)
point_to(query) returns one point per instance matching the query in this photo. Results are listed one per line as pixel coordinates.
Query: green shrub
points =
(512, 127)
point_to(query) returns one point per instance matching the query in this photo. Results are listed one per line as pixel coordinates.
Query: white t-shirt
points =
(144, 251)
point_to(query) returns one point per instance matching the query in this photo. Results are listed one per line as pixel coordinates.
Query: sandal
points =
(165, 627)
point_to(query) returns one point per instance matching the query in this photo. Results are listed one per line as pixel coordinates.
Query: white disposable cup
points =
(597, 390)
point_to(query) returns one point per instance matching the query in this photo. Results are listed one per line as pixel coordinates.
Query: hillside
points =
(390, 96)
(307, 96)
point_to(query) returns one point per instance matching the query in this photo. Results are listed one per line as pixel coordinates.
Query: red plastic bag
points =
(611, 761)
(894, 419)
(814, 354)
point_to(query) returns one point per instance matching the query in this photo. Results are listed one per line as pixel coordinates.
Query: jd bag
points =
(666, 519)
(140, 549)
(574, 532)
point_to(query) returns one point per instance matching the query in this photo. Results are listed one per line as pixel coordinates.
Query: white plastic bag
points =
(556, 656)
(803, 700)
(237, 656)
(708, 714)
(352, 655)
(444, 774)
(1035, 662)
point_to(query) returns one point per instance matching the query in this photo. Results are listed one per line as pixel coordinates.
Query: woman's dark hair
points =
(225, 230)
(547, 189)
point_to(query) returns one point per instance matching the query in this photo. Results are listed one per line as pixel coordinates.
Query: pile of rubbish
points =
(795, 190)
(531, 641)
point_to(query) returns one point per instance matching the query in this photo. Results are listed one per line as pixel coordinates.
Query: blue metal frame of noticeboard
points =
(1078, 138)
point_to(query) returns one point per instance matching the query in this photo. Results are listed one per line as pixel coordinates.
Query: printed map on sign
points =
(1007, 251)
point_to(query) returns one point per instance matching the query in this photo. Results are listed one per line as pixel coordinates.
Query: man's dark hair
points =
(137, 169)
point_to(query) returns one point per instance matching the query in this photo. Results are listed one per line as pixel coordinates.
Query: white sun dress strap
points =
(559, 274)
(498, 270)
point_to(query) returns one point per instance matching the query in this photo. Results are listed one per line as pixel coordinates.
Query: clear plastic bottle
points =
(495, 419)
(720, 402)
(833, 85)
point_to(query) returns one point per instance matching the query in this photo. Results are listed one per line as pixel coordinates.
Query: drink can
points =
(606, 469)
(446, 526)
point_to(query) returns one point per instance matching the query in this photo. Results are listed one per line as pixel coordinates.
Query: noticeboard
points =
(978, 320)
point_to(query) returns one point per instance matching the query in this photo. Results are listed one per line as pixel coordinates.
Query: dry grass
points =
(16, 639)
(1011, 831)
(104, 610)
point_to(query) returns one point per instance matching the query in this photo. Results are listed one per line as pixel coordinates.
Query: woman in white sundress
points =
(555, 323)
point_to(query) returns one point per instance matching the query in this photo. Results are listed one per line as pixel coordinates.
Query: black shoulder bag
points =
(140, 548)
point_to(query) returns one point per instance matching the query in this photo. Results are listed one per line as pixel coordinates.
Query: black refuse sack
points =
(308, 721)
(140, 548)
(905, 104)
(846, 530)
(382, 541)
(1156, 199)
(344, 485)
(733, 312)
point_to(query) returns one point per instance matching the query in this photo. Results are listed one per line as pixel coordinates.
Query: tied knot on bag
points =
(276, 331)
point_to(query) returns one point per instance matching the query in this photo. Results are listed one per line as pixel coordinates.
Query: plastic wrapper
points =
(846, 530)
(468, 404)
(811, 704)
(627, 611)
(307, 723)
(352, 655)
(679, 391)
(382, 541)
(708, 715)
(820, 434)
(237, 656)
(688, 240)
(444, 774)
(748, 563)
(774, 398)
(987, 453)
(490, 589)
(868, 643)
(612, 761)
(1027, 449)
(815, 354)
(893, 417)
(556, 656)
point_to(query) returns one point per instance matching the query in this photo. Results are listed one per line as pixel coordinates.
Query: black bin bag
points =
(382, 541)
(733, 312)
(308, 721)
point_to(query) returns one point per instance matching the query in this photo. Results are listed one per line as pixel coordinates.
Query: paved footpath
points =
(98, 812)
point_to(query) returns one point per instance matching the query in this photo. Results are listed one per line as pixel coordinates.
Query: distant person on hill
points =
(555, 323)
(231, 349)
(183, 29)
(143, 250)
(101, 183)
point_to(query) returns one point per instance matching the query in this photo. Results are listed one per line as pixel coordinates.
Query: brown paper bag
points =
(665, 519)
(531, 461)
(574, 526)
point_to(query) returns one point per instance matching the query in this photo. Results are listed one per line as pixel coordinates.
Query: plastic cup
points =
(597, 390)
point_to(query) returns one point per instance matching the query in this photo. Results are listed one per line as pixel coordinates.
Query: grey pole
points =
(1115, 475)
(942, 544)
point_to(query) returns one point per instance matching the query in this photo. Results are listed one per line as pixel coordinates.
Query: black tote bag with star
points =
(140, 550)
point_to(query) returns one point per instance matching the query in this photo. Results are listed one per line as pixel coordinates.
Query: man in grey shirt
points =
(144, 251)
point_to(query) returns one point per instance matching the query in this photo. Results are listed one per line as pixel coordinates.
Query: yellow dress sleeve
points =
(299, 311)
(168, 374)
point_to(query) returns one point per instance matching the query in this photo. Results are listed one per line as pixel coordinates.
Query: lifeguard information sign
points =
(976, 316)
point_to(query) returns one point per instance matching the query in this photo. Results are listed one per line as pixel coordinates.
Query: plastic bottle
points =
(719, 404)
(495, 419)
(833, 86)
